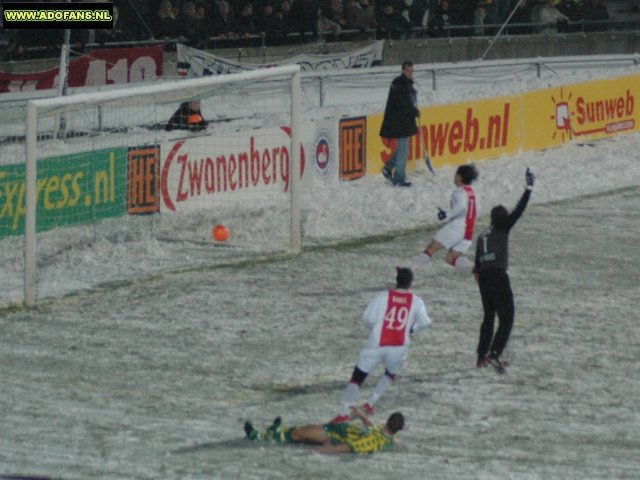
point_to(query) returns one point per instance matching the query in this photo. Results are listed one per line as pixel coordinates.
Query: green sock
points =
(285, 435)
(251, 432)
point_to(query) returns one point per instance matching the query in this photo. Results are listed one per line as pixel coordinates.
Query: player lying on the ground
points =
(348, 437)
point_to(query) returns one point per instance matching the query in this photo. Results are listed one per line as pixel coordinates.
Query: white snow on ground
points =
(155, 379)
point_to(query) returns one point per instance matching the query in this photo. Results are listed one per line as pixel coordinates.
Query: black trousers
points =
(497, 297)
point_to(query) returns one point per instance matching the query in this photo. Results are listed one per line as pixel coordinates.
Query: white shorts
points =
(392, 357)
(451, 236)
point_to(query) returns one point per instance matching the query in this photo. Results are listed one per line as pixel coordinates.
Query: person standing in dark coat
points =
(492, 260)
(304, 15)
(440, 20)
(399, 124)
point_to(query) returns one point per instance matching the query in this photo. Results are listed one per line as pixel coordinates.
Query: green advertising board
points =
(71, 189)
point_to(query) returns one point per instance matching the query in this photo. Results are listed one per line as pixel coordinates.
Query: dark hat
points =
(404, 277)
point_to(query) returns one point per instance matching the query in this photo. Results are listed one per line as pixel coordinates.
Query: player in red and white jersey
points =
(392, 316)
(457, 235)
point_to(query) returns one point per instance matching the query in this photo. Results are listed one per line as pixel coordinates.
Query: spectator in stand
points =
(12, 50)
(245, 22)
(305, 15)
(4, 39)
(548, 17)
(7, 42)
(224, 24)
(415, 13)
(571, 8)
(136, 14)
(440, 20)
(269, 24)
(521, 16)
(335, 12)
(16, 50)
(119, 33)
(574, 11)
(331, 18)
(192, 27)
(501, 11)
(391, 23)
(360, 15)
(204, 19)
(287, 20)
(205, 8)
(490, 9)
(166, 24)
(36, 43)
(596, 11)
(460, 13)
(479, 19)
(201, 11)
(43, 44)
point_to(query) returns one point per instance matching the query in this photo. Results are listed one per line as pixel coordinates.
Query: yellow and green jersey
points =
(359, 438)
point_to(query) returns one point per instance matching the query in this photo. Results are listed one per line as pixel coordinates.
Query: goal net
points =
(127, 183)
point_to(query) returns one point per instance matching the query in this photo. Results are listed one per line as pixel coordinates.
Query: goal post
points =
(238, 160)
(296, 122)
(30, 206)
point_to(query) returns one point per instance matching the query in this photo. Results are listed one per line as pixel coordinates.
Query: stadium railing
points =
(516, 29)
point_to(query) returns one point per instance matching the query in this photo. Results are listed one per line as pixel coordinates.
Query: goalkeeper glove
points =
(530, 179)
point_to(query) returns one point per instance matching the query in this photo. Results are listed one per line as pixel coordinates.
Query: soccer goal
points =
(139, 194)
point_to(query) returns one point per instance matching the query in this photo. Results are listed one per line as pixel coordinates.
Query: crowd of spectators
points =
(287, 21)
(227, 23)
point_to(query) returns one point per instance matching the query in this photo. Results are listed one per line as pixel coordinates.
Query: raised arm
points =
(524, 200)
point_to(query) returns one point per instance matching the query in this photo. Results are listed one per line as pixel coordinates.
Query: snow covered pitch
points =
(154, 380)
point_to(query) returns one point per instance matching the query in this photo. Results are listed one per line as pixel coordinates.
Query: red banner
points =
(102, 67)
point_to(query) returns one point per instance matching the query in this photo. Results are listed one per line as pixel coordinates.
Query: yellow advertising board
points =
(479, 129)
(583, 111)
(454, 134)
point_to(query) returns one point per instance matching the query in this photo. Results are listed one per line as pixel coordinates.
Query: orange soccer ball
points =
(220, 233)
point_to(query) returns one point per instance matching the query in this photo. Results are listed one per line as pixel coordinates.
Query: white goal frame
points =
(84, 100)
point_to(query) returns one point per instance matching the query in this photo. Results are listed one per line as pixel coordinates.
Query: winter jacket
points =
(401, 111)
